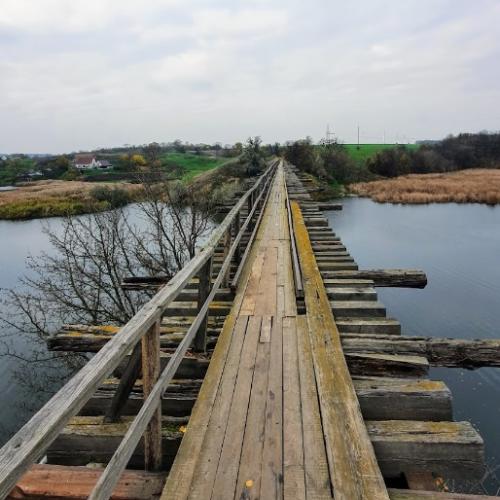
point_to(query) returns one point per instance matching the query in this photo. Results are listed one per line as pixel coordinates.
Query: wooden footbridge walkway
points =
(266, 368)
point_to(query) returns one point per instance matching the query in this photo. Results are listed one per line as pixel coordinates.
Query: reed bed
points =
(55, 198)
(463, 186)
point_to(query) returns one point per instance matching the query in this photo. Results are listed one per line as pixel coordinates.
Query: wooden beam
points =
(150, 374)
(130, 375)
(75, 483)
(405, 278)
(453, 353)
(204, 286)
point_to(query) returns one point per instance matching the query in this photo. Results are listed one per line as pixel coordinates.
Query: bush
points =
(115, 197)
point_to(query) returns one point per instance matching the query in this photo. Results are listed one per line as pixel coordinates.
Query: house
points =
(104, 164)
(86, 161)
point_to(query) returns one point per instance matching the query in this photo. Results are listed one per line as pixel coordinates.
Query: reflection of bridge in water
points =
(266, 368)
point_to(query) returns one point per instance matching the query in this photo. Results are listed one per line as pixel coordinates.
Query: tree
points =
(152, 154)
(79, 281)
(252, 156)
(303, 155)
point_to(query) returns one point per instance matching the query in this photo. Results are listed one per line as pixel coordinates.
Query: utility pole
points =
(328, 138)
(358, 136)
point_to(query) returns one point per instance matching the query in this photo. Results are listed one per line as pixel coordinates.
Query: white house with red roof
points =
(88, 161)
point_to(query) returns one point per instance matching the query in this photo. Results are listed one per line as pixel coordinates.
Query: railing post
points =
(227, 247)
(131, 373)
(250, 202)
(150, 373)
(204, 287)
(236, 230)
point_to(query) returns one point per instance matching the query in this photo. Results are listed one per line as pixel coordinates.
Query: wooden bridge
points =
(266, 368)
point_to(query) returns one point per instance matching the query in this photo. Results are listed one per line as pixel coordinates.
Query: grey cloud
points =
(88, 73)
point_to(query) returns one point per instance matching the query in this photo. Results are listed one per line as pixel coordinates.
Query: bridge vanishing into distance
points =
(265, 369)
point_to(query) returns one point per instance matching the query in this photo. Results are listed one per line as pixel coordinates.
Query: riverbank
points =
(54, 198)
(464, 186)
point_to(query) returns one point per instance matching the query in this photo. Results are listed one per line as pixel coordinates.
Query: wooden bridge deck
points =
(256, 430)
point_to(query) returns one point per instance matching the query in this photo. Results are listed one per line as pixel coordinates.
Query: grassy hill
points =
(365, 151)
(192, 164)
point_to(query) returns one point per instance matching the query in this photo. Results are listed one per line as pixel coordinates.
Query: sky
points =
(81, 74)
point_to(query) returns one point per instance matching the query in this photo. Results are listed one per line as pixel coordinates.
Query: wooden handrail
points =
(297, 274)
(30, 443)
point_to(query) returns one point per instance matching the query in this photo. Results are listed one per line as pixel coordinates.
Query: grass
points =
(55, 198)
(193, 165)
(366, 151)
(464, 186)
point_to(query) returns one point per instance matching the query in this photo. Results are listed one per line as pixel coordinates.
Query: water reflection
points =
(458, 246)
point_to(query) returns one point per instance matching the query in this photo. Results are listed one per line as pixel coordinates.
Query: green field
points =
(365, 151)
(193, 165)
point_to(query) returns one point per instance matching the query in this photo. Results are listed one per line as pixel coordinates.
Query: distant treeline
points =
(331, 161)
(453, 153)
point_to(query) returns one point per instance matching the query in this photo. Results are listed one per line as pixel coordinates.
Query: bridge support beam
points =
(150, 374)
(204, 287)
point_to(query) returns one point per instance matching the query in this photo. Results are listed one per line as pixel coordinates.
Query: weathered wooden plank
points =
(386, 365)
(450, 449)
(293, 445)
(76, 483)
(376, 325)
(272, 458)
(434, 495)
(317, 478)
(387, 398)
(439, 352)
(356, 309)
(408, 278)
(150, 374)
(250, 467)
(208, 459)
(228, 468)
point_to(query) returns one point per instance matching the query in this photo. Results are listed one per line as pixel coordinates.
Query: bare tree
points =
(79, 281)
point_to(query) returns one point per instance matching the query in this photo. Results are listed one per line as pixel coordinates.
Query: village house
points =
(88, 161)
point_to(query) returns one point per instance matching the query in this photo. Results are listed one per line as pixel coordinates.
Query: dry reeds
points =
(464, 186)
(55, 197)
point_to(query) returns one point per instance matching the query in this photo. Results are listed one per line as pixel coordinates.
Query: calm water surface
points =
(458, 246)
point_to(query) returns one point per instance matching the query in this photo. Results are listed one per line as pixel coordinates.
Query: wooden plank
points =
(76, 483)
(387, 398)
(451, 449)
(150, 374)
(317, 478)
(208, 459)
(265, 331)
(409, 278)
(229, 463)
(250, 467)
(272, 457)
(293, 446)
(433, 495)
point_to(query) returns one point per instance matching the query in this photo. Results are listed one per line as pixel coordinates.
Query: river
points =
(458, 246)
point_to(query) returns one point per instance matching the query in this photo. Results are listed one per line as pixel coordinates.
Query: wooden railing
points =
(34, 438)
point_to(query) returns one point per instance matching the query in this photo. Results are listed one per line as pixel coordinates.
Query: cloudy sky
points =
(77, 74)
